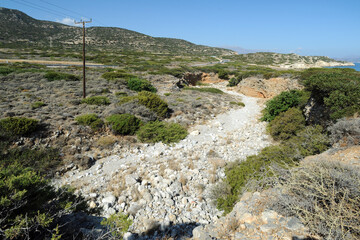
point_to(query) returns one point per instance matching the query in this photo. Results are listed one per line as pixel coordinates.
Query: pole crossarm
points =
(84, 81)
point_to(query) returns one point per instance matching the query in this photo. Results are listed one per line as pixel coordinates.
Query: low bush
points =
(241, 104)
(117, 224)
(138, 85)
(338, 89)
(91, 120)
(223, 74)
(345, 131)
(18, 126)
(255, 171)
(309, 141)
(36, 105)
(239, 173)
(154, 103)
(324, 195)
(283, 102)
(53, 76)
(120, 94)
(30, 207)
(96, 100)
(117, 75)
(234, 81)
(208, 90)
(124, 124)
(44, 161)
(287, 124)
(161, 132)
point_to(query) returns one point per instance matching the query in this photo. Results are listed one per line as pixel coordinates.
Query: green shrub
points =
(234, 81)
(161, 132)
(283, 102)
(117, 75)
(96, 100)
(52, 76)
(120, 94)
(256, 166)
(36, 105)
(124, 124)
(223, 74)
(287, 124)
(309, 141)
(44, 161)
(30, 206)
(138, 85)
(91, 120)
(126, 99)
(154, 103)
(241, 104)
(338, 89)
(6, 70)
(209, 90)
(17, 126)
(117, 224)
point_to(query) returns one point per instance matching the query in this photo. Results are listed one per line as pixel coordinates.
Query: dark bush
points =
(223, 74)
(96, 100)
(138, 85)
(234, 81)
(30, 206)
(287, 124)
(17, 126)
(283, 102)
(338, 89)
(91, 120)
(154, 103)
(36, 105)
(161, 132)
(52, 76)
(124, 124)
(117, 75)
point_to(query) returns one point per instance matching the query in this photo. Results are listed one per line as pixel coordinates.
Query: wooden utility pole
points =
(84, 81)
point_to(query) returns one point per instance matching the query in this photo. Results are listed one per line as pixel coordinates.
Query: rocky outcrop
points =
(250, 219)
(266, 88)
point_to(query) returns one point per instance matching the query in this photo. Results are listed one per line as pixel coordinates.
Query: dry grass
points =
(191, 164)
(106, 141)
(174, 165)
(117, 184)
(325, 196)
(183, 180)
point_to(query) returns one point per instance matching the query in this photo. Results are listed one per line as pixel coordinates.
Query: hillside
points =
(288, 60)
(30, 32)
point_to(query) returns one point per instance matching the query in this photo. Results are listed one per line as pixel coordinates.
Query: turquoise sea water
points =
(356, 67)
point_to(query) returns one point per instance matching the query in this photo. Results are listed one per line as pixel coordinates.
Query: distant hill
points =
(19, 29)
(291, 60)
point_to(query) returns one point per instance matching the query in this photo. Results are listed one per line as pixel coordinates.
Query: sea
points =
(356, 67)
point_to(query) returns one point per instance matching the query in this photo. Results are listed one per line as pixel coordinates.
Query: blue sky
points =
(316, 27)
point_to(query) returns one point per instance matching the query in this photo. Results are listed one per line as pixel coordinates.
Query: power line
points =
(68, 10)
(29, 5)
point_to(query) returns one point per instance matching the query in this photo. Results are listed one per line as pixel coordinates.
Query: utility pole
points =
(84, 82)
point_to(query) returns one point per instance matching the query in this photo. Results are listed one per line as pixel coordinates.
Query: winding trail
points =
(170, 179)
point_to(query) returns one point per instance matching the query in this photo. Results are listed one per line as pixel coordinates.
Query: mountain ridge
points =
(40, 33)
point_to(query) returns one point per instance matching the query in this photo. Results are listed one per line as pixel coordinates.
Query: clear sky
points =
(307, 27)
